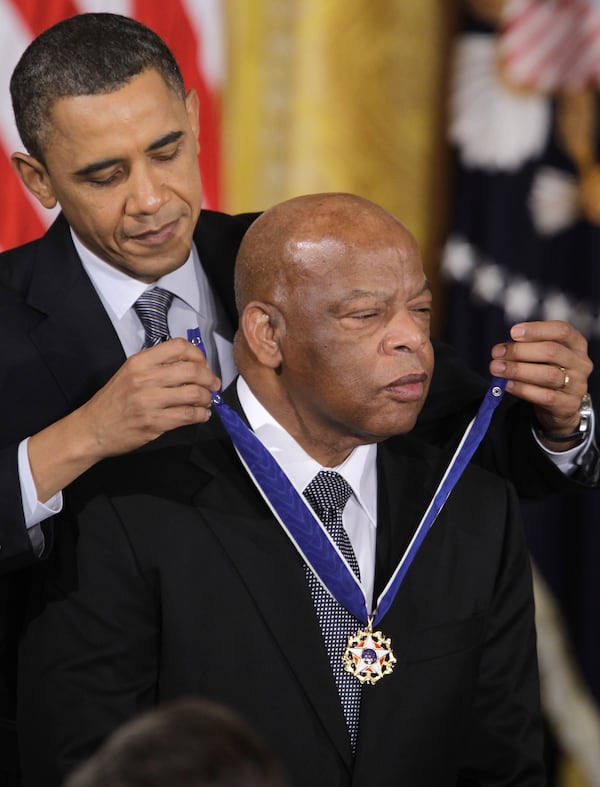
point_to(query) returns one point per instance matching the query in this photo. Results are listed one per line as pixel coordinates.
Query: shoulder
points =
(225, 224)
(172, 467)
(431, 462)
(17, 266)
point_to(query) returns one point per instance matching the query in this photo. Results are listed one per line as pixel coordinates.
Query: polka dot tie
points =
(327, 495)
(152, 307)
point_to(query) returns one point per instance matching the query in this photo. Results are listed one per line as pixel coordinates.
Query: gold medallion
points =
(368, 655)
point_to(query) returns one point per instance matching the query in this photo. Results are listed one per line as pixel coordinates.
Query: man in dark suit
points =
(171, 576)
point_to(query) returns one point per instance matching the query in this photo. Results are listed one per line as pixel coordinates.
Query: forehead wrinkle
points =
(359, 293)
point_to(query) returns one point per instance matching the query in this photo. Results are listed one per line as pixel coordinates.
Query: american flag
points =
(550, 45)
(193, 29)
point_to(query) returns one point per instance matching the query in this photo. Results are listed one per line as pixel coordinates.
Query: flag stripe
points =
(545, 46)
(38, 16)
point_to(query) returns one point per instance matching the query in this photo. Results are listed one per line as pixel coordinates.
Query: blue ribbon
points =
(308, 533)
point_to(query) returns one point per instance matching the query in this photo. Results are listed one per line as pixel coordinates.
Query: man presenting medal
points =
(364, 603)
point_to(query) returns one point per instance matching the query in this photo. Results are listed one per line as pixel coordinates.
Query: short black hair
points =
(83, 55)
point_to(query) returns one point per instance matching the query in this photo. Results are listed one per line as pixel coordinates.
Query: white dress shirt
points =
(194, 305)
(359, 470)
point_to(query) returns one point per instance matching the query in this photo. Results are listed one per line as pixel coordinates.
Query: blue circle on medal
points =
(369, 656)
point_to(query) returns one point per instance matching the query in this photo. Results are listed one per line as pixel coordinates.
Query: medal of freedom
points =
(368, 655)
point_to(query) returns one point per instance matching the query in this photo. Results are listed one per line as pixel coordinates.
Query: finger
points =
(179, 373)
(575, 360)
(561, 404)
(137, 374)
(549, 330)
(542, 375)
(180, 396)
(182, 415)
(550, 353)
(170, 351)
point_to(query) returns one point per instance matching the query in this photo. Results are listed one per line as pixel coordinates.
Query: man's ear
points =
(192, 106)
(35, 178)
(261, 325)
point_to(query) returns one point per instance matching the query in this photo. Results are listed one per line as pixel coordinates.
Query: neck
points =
(321, 442)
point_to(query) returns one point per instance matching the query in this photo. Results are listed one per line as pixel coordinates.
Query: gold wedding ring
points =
(566, 377)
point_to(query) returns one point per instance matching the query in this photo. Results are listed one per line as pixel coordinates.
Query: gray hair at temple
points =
(83, 55)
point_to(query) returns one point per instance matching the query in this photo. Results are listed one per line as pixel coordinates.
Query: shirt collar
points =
(119, 291)
(359, 468)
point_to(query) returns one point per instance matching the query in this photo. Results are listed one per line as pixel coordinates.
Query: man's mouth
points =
(409, 388)
(156, 237)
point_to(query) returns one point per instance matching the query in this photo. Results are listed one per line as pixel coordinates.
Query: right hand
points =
(155, 390)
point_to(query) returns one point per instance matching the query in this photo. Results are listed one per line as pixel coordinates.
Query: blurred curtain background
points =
(475, 123)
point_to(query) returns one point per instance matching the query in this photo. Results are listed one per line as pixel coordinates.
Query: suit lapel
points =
(406, 481)
(75, 336)
(273, 574)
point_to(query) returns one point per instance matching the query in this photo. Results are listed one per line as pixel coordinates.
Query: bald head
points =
(299, 236)
(334, 322)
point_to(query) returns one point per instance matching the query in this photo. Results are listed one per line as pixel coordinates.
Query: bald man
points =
(183, 570)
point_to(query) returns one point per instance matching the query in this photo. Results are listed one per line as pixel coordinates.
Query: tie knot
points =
(327, 490)
(152, 307)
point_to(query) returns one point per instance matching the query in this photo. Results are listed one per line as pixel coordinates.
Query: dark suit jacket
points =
(174, 579)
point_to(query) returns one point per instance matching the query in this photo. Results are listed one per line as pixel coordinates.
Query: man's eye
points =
(108, 181)
(424, 308)
(168, 155)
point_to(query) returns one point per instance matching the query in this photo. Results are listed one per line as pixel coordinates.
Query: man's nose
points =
(406, 333)
(146, 191)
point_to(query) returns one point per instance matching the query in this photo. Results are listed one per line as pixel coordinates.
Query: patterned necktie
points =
(327, 495)
(152, 307)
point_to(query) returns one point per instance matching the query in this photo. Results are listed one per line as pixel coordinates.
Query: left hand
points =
(548, 365)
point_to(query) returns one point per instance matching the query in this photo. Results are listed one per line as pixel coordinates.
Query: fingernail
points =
(517, 331)
(497, 367)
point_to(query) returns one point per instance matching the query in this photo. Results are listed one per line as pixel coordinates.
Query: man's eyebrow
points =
(169, 138)
(98, 166)
(425, 288)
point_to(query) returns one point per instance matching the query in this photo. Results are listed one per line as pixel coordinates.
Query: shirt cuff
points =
(34, 511)
(568, 461)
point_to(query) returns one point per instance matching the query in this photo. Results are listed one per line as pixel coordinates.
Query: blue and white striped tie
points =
(152, 307)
